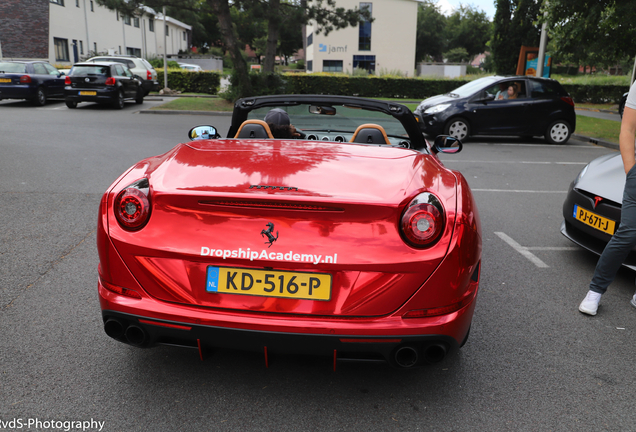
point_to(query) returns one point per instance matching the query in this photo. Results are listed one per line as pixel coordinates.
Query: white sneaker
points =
(589, 305)
(633, 301)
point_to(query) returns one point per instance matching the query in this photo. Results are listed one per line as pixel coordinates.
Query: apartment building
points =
(67, 31)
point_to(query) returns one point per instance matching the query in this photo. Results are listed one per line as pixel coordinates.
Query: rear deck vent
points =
(271, 205)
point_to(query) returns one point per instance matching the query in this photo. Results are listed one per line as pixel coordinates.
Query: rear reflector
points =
(161, 324)
(370, 340)
(121, 290)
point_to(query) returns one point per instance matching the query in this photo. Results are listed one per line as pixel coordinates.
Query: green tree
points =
(593, 32)
(515, 24)
(457, 55)
(430, 39)
(468, 28)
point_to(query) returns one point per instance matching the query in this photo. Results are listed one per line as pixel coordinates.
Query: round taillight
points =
(132, 208)
(422, 224)
(25, 79)
(67, 80)
(110, 81)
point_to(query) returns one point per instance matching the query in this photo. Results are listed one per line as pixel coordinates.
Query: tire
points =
(119, 102)
(558, 132)
(139, 99)
(40, 97)
(71, 104)
(458, 128)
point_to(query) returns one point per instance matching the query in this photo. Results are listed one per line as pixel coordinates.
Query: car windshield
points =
(342, 118)
(12, 67)
(89, 70)
(473, 86)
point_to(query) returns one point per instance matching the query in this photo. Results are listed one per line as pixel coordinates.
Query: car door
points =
(545, 104)
(123, 80)
(56, 81)
(489, 115)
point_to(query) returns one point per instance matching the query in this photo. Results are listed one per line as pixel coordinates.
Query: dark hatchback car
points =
(36, 81)
(533, 107)
(105, 83)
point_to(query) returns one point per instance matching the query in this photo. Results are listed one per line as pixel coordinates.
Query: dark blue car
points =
(36, 81)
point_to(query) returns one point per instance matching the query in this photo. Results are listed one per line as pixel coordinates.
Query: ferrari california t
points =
(351, 240)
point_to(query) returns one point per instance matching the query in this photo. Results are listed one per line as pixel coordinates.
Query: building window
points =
(184, 35)
(61, 49)
(310, 39)
(310, 65)
(95, 47)
(76, 3)
(364, 62)
(81, 47)
(133, 51)
(92, 6)
(127, 19)
(59, 2)
(119, 49)
(151, 25)
(364, 36)
(136, 22)
(332, 65)
(167, 30)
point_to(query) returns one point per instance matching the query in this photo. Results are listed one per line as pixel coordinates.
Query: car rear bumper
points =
(101, 95)
(147, 322)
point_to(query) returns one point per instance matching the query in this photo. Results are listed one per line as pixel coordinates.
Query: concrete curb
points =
(611, 145)
(175, 112)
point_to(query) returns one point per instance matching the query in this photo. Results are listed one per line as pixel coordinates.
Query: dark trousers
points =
(622, 242)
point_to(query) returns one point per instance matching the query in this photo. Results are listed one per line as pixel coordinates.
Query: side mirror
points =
(203, 132)
(447, 144)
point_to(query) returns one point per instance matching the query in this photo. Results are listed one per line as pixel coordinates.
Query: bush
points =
(596, 94)
(192, 82)
(262, 84)
(157, 63)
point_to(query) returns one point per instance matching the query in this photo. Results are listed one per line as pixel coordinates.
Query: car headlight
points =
(581, 174)
(437, 108)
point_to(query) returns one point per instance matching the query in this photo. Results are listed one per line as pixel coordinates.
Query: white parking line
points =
(514, 162)
(519, 191)
(522, 250)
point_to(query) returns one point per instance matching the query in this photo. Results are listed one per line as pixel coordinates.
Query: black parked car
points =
(496, 105)
(32, 80)
(108, 83)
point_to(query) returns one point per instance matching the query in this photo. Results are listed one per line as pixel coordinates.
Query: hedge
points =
(417, 88)
(192, 82)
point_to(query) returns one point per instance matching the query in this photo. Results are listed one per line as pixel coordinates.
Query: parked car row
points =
(105, 79)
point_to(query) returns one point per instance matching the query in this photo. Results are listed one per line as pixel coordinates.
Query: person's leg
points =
(619, 246)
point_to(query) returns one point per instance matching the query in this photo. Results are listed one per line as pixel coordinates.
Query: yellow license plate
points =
(595, 221)
(269, 283)
(88, 93)
(6, 80)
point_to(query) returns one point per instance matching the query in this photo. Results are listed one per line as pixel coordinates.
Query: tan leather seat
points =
(370, 133)
(254, 129)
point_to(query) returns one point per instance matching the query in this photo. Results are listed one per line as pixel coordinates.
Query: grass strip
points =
(607, 130)
(196, 104)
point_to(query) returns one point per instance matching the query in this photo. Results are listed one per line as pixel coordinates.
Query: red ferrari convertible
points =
(349, 239)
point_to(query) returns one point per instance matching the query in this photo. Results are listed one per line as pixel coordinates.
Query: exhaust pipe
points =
(406, 357)
(435, 353)
(114, 328)
(135, 335)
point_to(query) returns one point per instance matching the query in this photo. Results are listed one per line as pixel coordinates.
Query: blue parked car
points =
(36, 81)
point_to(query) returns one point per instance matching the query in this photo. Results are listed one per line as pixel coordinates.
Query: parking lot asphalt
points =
(532, 362)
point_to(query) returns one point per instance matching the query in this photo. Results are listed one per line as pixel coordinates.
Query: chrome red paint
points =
(348, 203)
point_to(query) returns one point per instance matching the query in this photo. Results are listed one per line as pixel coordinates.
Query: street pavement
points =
(532, 362)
